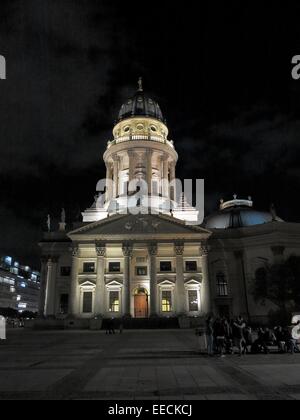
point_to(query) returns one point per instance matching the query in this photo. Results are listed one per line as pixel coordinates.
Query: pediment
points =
(114, 283)
(87, 285)
(140, 225)
(166, 283)
(193, 282)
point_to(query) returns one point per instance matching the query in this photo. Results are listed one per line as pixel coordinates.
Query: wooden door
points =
(141, 306)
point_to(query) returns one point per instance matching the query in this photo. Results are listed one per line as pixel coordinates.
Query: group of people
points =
(224, 336)
(112, 325)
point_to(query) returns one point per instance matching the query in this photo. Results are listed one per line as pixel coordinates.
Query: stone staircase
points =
(145, 323)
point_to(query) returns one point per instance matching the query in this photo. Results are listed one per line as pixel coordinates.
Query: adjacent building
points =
(19, 286)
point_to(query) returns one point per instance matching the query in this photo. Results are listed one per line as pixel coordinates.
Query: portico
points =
(141, 274)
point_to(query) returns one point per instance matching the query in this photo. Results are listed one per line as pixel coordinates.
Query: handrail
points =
(124, 139)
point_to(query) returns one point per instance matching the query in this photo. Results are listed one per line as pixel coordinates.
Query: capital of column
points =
(100, 248)
(127, 249)
(75, 250)
(179, 248)
(44, 259)
(204, 249)
(53, 259)
(152, 248)
(115, 157)
(131, 153)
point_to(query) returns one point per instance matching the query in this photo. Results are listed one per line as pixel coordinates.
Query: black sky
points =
(221, 72)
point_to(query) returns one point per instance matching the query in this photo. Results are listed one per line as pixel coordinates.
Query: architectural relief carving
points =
(179, 248)
(100, 248)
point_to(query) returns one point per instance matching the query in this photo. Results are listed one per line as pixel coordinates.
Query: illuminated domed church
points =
(139, 252)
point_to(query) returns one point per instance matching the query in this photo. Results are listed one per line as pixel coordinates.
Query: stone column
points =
(172, 179)
(100, 285)
(43, 284)
(74, 286)
(127, 252)
(165, 176)
(116, 160)
(244, 308)
(181, 296)
(149, 170)
(50, 309)
(206, 303)
(131, 157)
(108, 186)
(152, 248)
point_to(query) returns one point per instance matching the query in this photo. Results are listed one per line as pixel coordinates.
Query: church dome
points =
(140, 106)
(239, 214)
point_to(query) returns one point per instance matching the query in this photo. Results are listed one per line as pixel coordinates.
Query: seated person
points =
(280, 339)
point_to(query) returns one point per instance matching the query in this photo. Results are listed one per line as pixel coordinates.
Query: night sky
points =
(221, 72)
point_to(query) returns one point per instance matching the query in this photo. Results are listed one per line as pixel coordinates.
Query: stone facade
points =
(157, 269)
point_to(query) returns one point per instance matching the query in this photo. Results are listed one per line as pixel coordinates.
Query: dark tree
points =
(9, 312)
(279, 283)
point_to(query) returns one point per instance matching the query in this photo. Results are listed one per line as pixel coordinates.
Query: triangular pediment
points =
(87, 285)
(193, 282)
(140, 225)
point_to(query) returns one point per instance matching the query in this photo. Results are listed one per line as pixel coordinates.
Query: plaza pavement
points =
(138, 365)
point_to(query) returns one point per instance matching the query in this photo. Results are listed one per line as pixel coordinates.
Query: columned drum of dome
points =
(141, 152)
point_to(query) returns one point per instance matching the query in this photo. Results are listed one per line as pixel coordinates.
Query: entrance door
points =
(141, 306)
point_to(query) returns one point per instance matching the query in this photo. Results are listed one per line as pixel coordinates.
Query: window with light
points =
(114, 301)
(166, 301)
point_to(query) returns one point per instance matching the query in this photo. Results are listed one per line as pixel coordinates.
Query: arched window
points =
(222, 285)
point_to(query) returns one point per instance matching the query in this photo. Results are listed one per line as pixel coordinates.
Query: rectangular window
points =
(191, 266)
(193, 301)
(65, 271)
(87, 307)
(165, 266)
(222, 285)
(114, 302)
(114, 267)
(141, 271)
(89, 267)
(166, 301)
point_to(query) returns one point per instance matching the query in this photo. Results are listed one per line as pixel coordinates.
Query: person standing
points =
(219, 334)
(248, 336)
(210, 336)
(239, 339)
